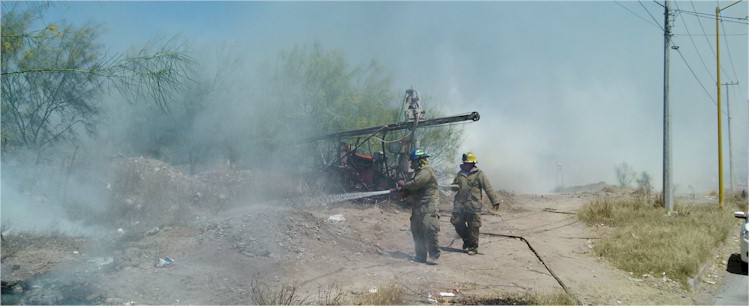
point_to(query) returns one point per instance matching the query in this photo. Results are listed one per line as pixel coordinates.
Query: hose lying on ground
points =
(537, 256)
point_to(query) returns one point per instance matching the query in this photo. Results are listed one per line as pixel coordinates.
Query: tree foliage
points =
(52, 76)
(316, 89)
(312, 91)
(442, 143)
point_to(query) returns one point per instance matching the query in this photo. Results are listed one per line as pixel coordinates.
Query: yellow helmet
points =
(469, 157)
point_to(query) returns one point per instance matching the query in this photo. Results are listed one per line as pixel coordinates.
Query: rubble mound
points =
(148, 193)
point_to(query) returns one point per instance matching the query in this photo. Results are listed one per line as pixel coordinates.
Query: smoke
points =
(45, 199)
(562, 99)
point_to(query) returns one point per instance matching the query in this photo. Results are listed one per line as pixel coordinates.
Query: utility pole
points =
(718, 104)
(729, 136)
(667, 163)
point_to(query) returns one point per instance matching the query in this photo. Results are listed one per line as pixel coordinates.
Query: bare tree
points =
(645, 187)
(625, 174)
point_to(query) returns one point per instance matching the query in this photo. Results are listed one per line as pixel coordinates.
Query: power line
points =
(704, 32)
(639, 16)
(710, 46)
(740, 20)
(728, 34)
(695, 76)
(731, 61)
(676, 48)
(693, 42)
(649, 14)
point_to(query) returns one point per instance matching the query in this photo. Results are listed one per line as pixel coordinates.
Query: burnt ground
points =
(223, 257)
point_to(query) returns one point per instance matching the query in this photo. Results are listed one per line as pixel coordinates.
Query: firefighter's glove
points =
(400, 184)
(496, 206)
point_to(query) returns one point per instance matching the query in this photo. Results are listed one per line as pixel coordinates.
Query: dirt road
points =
(355, 247)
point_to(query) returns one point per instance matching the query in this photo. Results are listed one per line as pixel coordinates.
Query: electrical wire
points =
(731, 61)
(694, 75)
(733, 34)
(649, 14)
(639, 16)
(697, 79)
(710, 47)
(694, 46)
(740, 20)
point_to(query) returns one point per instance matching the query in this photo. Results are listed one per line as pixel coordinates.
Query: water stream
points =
(314, 200)
(335, 198)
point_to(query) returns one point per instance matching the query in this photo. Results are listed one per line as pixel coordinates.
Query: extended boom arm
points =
(473, 116)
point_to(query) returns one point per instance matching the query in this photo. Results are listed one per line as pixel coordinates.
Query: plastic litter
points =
(153, 231)
(336, 218)
(449, 294)
(101, 262)
(163, 261)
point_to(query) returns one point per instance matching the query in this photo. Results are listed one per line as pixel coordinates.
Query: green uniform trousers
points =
(467, 226)
(424, 230)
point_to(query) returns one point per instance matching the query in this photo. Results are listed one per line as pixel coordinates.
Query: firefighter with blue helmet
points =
(425, 225)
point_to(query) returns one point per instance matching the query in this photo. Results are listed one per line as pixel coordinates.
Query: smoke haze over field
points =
(566, 90)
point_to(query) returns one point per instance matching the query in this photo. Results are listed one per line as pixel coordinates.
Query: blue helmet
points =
(416, 153)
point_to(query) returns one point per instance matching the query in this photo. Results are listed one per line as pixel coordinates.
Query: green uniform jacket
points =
(469, 195)
(424, 188)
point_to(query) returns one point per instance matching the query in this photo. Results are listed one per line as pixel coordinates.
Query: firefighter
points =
(424, 213)
(467, 204)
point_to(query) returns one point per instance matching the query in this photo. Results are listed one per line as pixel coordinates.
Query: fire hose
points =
(559, 281)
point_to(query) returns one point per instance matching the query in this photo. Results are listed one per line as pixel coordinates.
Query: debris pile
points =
(146, 193)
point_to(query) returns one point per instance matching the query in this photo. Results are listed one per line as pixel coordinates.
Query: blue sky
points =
(574, 83)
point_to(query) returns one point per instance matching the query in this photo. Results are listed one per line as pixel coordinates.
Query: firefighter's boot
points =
(433, 260)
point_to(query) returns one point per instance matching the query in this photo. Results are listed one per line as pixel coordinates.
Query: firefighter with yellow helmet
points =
(467, 204)
(425, 225)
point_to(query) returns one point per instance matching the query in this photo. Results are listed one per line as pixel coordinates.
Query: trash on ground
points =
(101, 262)
(336, 218)
(163, 261)
(450, 294)
(153, 231)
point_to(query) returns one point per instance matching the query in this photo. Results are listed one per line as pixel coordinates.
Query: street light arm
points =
(728, 5)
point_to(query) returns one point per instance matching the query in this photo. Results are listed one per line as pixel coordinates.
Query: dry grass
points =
(737, 201)
(645, 240)
(290, 294)
(286, 295)
(333, 295)
(553, 299)
(391, 294)
(19, 241)
(526, 298)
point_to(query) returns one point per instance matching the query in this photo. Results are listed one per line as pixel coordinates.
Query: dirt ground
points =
(228, 256)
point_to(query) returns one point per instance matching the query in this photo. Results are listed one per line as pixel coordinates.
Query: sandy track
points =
(220, 258)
